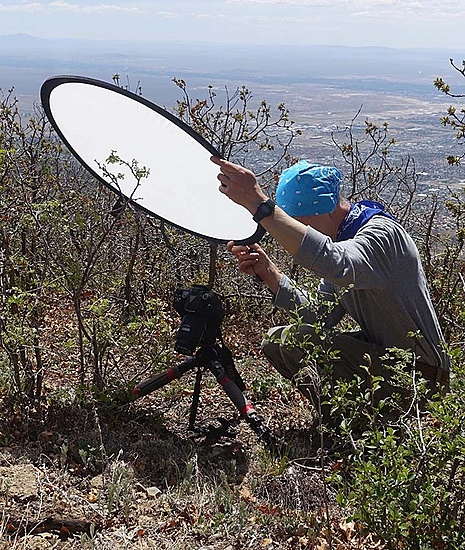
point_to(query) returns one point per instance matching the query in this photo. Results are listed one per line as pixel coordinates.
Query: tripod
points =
(218, 360)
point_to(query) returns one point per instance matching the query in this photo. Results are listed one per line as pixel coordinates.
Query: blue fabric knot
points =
(359, 214)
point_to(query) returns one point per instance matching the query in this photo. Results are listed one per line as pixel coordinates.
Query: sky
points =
(390, 23)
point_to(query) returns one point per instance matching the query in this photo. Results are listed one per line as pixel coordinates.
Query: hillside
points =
(87, 314)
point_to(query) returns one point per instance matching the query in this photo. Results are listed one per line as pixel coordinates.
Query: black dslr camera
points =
(202, 313)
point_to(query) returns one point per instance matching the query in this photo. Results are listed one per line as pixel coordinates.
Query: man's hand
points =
(239, 184)
(254, 261)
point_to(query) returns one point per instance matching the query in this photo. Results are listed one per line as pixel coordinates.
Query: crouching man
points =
(357, 247)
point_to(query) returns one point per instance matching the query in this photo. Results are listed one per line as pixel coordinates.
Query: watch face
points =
(264, 209)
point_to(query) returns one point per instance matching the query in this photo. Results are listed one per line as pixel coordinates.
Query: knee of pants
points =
(281, 353)
(282, 336)
(272, 349)
(272, 340)
(292, 335)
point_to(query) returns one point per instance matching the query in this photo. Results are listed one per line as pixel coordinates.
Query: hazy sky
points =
(393, 23)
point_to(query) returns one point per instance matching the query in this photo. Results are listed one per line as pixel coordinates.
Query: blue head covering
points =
(307, 189)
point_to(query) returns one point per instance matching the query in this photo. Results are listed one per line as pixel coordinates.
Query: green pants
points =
(281, 348)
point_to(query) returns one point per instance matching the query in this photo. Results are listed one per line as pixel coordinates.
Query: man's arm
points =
(241, 186)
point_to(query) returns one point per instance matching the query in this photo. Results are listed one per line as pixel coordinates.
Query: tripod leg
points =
(244, 406)
(195, 400)
(163, 378)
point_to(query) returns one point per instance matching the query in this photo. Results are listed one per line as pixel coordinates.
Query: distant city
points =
(323, 87)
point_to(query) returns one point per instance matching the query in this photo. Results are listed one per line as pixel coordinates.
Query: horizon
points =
(358, 23)
(210, 43)
(376, 60)
(238, 44)
(28, 60)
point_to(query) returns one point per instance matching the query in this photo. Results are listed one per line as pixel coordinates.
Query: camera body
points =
(201, 316)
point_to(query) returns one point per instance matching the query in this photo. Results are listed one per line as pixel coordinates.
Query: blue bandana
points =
(358, 216)
(307, 189)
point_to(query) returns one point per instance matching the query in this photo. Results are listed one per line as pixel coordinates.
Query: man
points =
(363, 255)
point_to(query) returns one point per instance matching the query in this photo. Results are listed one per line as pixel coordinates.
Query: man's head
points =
(307, 189)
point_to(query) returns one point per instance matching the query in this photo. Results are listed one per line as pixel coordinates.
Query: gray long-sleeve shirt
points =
(386, 291)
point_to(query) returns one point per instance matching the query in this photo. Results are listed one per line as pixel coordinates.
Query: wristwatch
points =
(264, 209)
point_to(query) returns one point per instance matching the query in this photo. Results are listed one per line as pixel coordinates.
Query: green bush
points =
(405, 481)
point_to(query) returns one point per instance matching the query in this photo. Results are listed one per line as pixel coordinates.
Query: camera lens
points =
(189, 334)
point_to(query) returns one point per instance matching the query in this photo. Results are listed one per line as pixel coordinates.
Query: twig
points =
(64, 527)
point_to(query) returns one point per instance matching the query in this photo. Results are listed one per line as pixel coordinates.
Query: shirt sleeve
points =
(309, 307)
(361, 262)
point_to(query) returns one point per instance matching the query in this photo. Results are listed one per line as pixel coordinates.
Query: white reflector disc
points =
(96, 120)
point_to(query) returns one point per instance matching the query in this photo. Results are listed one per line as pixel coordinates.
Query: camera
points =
(201, 316)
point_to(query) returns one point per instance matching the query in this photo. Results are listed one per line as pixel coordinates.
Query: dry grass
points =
(75, 475)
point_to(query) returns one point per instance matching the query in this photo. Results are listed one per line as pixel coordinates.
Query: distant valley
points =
(323, 87)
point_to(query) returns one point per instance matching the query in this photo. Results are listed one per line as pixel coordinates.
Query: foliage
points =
(443, 262)
(400, 476)
(86, 288)
(443, 251)
(69, 262)
(404, 480)
(455, 117)
(373, 174)
(241, 130)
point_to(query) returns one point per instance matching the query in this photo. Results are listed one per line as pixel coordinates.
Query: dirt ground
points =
(80, 476)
